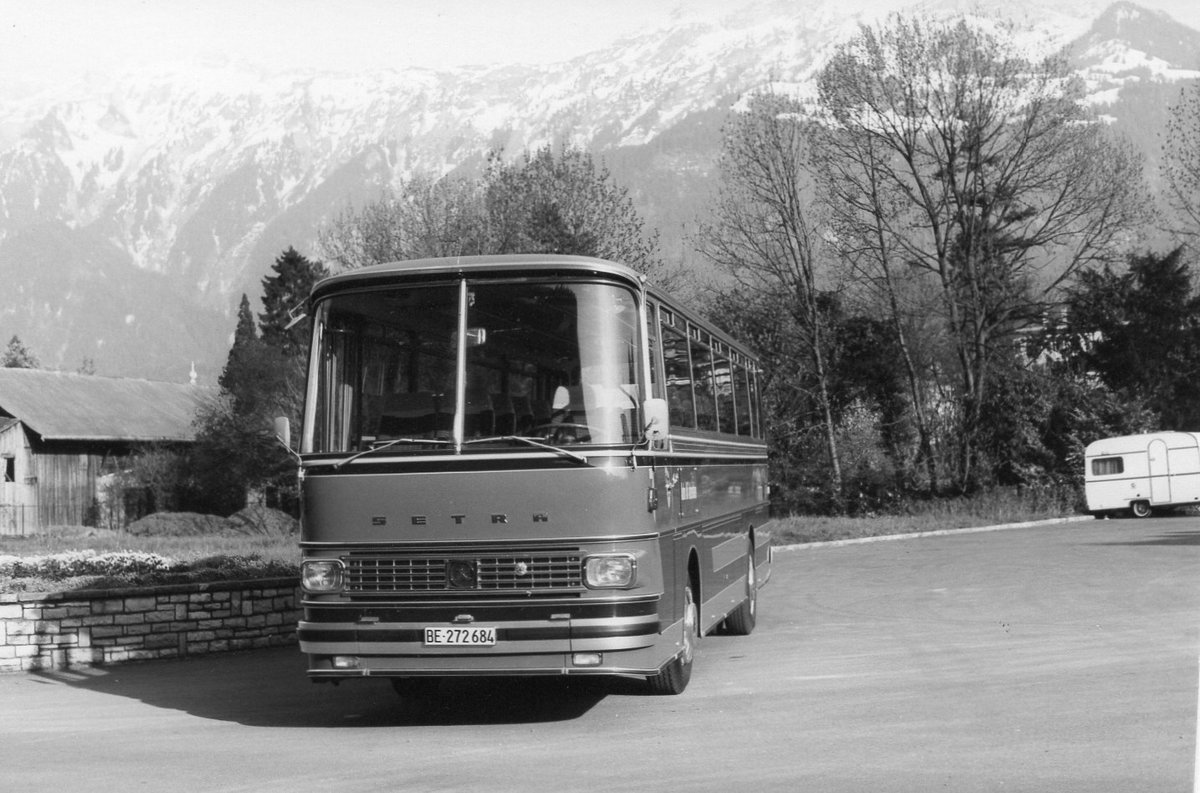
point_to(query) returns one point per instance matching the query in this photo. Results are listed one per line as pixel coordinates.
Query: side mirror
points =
(283, 433)
(657, 420)
(283, 430)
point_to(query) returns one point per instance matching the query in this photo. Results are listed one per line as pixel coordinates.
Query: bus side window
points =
(741, 384)
(677, 366)
(723, 379)
(702, 383)
(757, 425)
(1107, 466)
(656, 389)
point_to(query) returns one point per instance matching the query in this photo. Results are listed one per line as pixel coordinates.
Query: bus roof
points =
(462, 265)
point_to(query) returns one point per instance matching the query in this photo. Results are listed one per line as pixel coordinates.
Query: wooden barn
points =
(64, 437)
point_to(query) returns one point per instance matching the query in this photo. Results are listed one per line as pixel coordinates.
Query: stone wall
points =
(73, 629)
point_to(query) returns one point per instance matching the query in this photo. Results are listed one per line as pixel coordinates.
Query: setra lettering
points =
(459, 520)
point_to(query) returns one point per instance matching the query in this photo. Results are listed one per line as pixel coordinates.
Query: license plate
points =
(460, 637)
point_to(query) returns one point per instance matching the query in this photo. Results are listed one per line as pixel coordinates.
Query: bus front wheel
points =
(1140, 509)
(673, 678)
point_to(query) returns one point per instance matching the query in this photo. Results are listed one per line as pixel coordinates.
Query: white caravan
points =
(1141, 472)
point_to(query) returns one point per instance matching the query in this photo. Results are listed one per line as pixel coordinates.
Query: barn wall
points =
(66, 486)
(68, 479)
(73, 483)
(18, 496)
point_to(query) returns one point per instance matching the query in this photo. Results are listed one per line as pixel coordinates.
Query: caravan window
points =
(1107, 466)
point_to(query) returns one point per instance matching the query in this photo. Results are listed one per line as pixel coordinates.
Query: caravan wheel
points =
(1140, 509)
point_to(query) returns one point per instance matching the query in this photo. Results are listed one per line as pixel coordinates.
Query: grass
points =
(60, 539)
(226, 556)
(988, 509)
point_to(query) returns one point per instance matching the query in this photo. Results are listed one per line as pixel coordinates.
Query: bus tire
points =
(1140, 509)
(673, 678)
(742, 619)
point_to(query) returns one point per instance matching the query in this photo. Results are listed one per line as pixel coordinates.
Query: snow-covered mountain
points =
(134, 212)
(1135, 63)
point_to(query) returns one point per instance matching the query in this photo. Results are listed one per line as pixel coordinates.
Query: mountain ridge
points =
(197, 183)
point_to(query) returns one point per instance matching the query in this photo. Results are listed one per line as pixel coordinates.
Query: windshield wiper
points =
(532, 442)
(390, 444)
(441, 442)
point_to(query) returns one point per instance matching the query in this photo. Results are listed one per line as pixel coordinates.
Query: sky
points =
(68, 36)
(61, 39)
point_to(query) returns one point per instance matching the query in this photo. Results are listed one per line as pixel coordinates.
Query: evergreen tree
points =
(263, 378)
(1139, 331)
(235, 452)
(241, 355)
(17, 356)
(284, 294)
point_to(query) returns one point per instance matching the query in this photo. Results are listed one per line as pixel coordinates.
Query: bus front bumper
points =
(629, 640)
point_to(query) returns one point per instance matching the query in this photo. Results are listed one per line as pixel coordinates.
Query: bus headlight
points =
(321, 575)
(610, 571)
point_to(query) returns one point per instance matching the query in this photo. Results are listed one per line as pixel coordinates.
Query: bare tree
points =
(764, 232)
(422, 217)
(545, 202)
(953, 155)
(566, 202)
(1181, 160)
(861, 210)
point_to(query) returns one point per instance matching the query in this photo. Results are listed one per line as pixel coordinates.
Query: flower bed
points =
(90, 569)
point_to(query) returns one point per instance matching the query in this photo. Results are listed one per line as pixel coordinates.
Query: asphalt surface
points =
(1057, 658)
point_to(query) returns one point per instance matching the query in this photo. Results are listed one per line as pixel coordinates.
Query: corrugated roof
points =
(63, 406)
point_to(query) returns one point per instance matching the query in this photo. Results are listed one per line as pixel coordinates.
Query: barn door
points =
(1160, 480)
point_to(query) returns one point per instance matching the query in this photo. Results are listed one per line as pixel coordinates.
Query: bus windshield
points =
(429, 368)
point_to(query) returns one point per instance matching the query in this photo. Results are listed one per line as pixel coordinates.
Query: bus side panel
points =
(715, 507)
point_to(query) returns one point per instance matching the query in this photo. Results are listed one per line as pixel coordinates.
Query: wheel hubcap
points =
(751, 587)
(689, 628)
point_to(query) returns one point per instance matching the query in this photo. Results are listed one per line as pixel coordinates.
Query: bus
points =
(524, 465)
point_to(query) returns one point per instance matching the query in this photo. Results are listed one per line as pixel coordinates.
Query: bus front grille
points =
(496, 573)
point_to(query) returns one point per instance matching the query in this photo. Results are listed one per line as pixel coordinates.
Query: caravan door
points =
(1160, 470)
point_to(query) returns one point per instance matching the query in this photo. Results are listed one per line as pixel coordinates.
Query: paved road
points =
(1058, 659)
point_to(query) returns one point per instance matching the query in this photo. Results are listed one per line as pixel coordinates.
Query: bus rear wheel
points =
(673, 678)
(1140, 509)
(741, 620)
